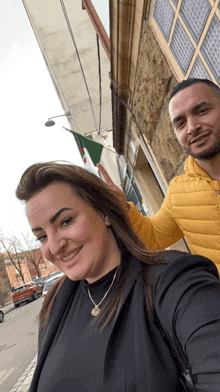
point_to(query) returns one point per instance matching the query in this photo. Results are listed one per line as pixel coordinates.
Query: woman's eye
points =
(41, 238)
(66, 222)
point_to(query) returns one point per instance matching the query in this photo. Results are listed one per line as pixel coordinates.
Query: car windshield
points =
(18, 289)
(39, 280)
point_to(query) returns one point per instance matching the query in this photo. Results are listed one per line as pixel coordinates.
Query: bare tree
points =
(11, 252)
(32, 252)
(22, 248)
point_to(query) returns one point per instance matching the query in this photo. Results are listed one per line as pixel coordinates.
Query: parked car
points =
(1, 316)
(40, 280)
(28, 292)
(52, 274)
(50, 282)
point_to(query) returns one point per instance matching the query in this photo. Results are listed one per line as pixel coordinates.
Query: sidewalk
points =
(24, 382)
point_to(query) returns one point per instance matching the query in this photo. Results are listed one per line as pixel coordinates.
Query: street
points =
(18, 342)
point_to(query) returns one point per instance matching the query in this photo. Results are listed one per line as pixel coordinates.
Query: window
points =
(164, 16)
(181, 47)
(210, 48)
(188, 32)
(132, 192)
(199, 70)
(195, 14)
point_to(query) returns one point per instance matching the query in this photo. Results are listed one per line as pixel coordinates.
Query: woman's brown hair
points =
(96, 193)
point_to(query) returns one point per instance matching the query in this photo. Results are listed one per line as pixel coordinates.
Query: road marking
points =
(4, 375)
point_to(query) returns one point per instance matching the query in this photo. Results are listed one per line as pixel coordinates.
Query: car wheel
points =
(1, 317)
(16, 305)
(34, 296)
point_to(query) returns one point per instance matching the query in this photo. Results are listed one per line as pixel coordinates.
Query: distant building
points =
(44, 267)
(14, 276)
(26, 264)
(5, 287)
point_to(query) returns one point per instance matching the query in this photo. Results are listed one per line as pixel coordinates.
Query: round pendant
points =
(95, 311)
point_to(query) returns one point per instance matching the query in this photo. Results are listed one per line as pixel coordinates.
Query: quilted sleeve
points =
(187, 301)
(159, 231)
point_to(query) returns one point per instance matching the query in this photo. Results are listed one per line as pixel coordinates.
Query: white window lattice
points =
(210, 48)
(198, 70)
(164, 16)
(175, 2)
(194, 14)
(181, 47)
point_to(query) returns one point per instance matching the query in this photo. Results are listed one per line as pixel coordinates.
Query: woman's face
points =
(74, 236)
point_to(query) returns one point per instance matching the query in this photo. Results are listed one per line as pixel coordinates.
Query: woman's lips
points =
(72, 254)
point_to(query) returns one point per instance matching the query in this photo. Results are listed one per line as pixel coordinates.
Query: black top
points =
(131, 355)
(79, 338)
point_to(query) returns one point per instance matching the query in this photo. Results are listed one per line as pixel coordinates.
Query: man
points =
(191, 207)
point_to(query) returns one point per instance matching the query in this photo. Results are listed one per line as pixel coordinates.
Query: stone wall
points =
(154, 83)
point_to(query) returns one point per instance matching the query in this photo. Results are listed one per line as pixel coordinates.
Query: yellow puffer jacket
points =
(191, 208)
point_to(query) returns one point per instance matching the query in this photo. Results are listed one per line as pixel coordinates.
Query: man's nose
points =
(192, 125)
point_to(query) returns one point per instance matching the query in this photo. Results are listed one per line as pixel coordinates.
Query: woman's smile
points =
(71, 255)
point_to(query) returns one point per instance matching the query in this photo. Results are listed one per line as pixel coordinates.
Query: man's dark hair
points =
(190, 82)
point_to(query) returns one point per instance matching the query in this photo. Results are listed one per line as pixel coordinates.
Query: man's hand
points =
(117, 191)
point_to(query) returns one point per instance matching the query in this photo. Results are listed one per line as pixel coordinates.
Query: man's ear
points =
(106, 220)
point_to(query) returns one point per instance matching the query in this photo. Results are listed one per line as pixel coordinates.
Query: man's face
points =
(195, 114)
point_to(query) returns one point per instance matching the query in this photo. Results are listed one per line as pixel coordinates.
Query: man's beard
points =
(208, 154)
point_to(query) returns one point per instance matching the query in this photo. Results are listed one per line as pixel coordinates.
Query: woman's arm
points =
(187, 301)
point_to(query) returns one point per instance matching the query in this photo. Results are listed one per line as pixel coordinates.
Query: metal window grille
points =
(194, 14)
(181, 47)
(164, 16)
(198, 70)
(210, 48)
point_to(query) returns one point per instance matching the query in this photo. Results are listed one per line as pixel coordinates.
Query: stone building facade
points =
(154, 45)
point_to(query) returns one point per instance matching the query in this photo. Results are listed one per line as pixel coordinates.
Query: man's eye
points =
(180, 125)
(202, 111)
(66, 222)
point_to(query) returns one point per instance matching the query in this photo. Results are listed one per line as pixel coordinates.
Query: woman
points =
(99, 326)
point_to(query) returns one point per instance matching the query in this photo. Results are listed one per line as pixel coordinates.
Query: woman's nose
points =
(57, 244)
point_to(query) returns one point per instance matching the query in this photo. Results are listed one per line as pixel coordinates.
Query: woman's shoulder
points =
(181, 269)
(181, 263)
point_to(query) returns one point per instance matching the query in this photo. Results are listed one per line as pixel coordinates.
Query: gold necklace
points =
(96, 310)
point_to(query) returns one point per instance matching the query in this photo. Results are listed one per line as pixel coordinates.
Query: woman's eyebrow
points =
(52, 220)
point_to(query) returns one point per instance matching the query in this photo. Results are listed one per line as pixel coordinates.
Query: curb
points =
(7, 308)
(24, 382)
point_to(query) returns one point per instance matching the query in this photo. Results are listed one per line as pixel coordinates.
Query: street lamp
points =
(50, 123)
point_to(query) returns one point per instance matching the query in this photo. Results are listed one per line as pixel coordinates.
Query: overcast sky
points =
(102, 9)
(28, 99)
